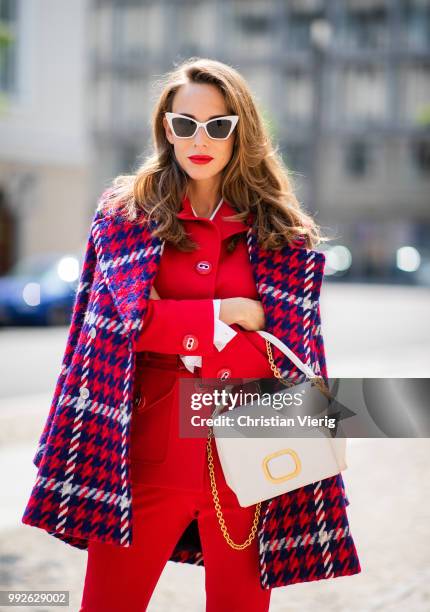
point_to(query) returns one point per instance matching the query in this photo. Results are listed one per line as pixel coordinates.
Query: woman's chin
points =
(199, 173)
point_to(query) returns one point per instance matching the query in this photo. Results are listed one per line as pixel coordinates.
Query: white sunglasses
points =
(219, 128)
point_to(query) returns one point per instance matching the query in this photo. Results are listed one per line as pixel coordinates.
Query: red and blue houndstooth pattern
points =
(82, 490)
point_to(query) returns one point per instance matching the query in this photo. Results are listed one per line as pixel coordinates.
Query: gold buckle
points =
(283, 451)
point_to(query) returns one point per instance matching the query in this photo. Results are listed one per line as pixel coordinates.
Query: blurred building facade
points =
(344, 85)
(45, 187)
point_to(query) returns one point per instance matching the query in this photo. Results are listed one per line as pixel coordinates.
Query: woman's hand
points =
(247, 313)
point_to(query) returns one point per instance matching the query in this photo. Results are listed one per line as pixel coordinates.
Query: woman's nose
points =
(200, 135)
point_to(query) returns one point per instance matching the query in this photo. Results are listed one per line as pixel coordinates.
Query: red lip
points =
(200, 159)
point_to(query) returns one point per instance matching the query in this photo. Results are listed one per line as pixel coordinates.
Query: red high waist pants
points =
(122, 579)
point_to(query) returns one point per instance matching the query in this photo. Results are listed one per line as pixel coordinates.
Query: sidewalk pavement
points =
(386, 481)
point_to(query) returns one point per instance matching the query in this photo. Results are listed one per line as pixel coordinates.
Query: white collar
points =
(214, 212)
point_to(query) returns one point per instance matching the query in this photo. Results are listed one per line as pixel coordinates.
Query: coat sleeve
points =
(168, 323)
(77, 319)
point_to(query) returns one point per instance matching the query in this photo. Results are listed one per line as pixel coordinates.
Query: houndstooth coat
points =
(82, 490)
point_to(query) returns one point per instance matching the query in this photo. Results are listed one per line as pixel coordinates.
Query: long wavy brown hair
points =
(255, 179)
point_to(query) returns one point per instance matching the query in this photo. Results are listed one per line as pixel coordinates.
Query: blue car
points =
(40, 290)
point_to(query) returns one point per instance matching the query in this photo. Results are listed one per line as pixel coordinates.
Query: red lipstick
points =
(200, 159)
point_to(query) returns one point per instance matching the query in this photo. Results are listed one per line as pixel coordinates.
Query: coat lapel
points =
(129, 256)
(289, 281)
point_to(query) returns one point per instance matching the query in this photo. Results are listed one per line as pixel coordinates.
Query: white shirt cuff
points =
(191, 361)
(223, 333)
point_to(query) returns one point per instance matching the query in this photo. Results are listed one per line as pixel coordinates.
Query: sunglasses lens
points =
(219, 128)
(183, 128)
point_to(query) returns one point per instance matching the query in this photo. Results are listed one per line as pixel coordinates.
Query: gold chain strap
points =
(218, 509)
(320, 383)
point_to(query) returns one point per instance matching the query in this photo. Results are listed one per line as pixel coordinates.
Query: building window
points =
(420, 151)
(254, 24)
(8, 45)
(366, 25)
(299, 94)
(299, 31)
(365, 93)
(415, 15)
(357, 158)
(415, 93)
(252, 27)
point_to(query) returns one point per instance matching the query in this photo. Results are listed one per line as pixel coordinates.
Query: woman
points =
(187, 259)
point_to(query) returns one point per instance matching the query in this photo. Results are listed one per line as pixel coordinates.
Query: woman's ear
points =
(167, 130)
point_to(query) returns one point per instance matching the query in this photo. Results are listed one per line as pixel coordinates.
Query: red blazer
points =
(186, 326)
(182, 322)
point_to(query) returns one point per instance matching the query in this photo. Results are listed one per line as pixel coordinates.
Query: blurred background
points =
(344, 86)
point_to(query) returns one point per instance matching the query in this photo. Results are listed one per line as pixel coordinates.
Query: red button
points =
(224, 373)
(190, 342)
(204, 267)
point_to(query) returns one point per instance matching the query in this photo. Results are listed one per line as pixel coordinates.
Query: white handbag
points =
(260, 468)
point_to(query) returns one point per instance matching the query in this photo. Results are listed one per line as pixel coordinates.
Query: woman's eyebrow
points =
(192, 116)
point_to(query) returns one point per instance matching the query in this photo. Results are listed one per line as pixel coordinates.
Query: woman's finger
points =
(154, 295)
